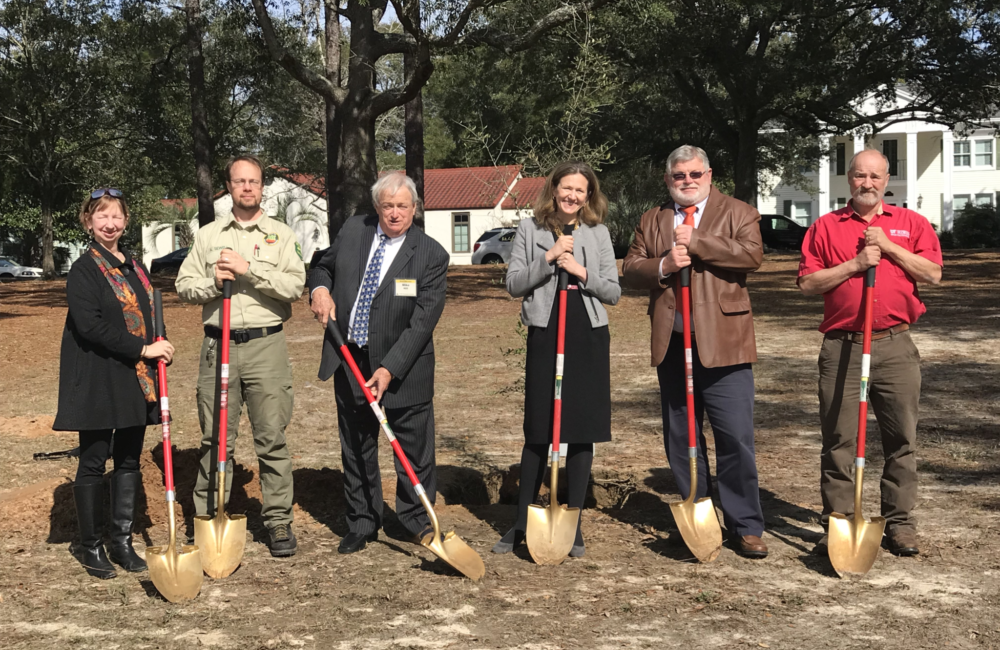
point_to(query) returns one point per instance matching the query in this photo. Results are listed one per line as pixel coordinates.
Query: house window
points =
(959, 201)
(460, 232)
(803, 211)
(984, 153)
(891, 150)
(963, 157)
(984, 200)
(841, 158)
(177, 238)
(841, 202)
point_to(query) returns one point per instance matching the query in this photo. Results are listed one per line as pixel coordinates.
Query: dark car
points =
(169, 262)
(778, 231)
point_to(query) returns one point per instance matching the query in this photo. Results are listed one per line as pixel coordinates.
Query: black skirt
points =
(586, 389)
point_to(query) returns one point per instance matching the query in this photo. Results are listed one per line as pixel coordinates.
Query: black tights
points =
(96, 446)
(579, 458)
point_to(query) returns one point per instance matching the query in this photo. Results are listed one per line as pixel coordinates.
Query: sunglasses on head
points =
(109, 191)
(679, 176)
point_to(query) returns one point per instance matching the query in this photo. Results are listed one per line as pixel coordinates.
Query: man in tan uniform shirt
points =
(263, 259)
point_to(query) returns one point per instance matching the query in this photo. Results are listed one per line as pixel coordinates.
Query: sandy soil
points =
(637, 587)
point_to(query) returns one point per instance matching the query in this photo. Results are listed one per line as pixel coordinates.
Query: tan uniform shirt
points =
(263, 295)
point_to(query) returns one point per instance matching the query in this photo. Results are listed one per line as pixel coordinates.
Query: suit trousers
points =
(413, 426)
(726, 395)
(894, 395)
(260, 376)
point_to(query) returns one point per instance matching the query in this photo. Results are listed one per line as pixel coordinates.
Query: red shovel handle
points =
(227, 295)
(161, 374)
(866, 351)
(334, 330)
(685, 282)
(560, 356)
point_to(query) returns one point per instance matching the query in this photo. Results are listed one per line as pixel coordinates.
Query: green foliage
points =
(977, 227)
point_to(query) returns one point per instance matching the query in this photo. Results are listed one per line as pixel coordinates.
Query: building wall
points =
(439, 224)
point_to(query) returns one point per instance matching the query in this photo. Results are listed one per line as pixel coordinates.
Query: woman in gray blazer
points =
(565, 233)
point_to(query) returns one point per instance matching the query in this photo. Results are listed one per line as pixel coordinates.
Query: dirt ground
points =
(637, 587)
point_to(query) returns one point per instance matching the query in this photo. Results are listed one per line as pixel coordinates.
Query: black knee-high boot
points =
(579, 459)
(532, 471)
(90, 515)
(124, 488)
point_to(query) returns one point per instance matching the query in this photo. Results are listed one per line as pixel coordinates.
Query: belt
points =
(243, 336)
(859, 337)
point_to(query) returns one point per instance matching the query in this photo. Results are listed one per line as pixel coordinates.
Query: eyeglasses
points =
(679, 176)
(106, 191)
(252, 182)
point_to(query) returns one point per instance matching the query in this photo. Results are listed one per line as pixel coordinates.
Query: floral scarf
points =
(132, 313)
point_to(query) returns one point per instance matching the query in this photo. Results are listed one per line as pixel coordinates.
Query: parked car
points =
(169, 262)
(778, 231)
(11, 271)
(494, 246)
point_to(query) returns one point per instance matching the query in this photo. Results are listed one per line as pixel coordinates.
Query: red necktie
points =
(689, 215)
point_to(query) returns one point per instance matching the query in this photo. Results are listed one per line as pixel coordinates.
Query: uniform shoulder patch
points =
(298, 250)
(271, 238)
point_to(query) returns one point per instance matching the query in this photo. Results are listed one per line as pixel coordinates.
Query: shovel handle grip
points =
(161, 376)
(685, 276)
(334, 330)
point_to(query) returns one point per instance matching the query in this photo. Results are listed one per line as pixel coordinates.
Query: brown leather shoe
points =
(903, 543)
(752, 546)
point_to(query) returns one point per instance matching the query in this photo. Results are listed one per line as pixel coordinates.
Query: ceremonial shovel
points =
(854, 543)
(551, 531)
(222, 538)
(449, 547)
(177, 576)
(696, 519)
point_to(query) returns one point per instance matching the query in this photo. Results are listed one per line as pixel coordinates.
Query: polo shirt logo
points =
(899, 233)
(271, 238)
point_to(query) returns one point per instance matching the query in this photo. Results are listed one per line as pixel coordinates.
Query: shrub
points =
(977, 227)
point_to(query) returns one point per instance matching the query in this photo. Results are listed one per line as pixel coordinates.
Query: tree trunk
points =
(357, 170)
(332, 126)
(48, 259)
(199, 118)
(745, 166)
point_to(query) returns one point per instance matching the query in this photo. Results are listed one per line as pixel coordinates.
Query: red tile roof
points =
(524, 193)
(467, 187)
(179, 204)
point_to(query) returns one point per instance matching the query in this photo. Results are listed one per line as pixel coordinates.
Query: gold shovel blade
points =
(453, 550)
(854, 543)
(699, 526)
(221, 540)
(551, 532)
(177, 576)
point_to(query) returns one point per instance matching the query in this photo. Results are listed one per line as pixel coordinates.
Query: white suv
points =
(494, 246)
(10, 271)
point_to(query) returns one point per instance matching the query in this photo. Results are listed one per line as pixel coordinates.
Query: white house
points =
(933, 170)
(459, 206)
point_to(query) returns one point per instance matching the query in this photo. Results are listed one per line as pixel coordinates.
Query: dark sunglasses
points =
(109, 191)
(679, 176)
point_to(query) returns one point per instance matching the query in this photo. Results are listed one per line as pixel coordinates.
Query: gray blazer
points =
(531, 277)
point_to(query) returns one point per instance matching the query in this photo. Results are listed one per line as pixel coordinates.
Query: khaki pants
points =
(894, 396)
(260, 376)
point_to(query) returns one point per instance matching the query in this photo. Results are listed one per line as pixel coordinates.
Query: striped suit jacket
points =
(400, 329)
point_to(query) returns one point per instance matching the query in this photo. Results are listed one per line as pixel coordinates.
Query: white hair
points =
(392, 183)
(685, 153)
(850, 167)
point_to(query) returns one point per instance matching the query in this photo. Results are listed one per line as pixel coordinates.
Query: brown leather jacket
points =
(725, 247)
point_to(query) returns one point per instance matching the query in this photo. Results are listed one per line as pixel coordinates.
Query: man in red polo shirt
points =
(836, 252)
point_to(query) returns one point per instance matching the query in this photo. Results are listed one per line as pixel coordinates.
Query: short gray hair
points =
(392, 183)
(850, 167)
(684, 153)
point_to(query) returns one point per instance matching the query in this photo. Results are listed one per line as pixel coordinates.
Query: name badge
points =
(406, 288)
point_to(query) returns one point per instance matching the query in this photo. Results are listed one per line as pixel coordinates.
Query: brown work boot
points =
(822, 547)
(751, 546)
(902, 543)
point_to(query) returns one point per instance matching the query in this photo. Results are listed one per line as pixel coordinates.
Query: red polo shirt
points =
(839, 236)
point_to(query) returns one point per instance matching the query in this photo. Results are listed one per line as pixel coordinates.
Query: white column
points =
(822, 203)
(859, 141)
(911, 171)
(948, 151)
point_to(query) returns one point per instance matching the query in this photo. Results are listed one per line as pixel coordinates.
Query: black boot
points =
(124, 487)
(90, 515)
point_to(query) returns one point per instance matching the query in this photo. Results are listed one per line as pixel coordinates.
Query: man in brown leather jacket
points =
(721, 246)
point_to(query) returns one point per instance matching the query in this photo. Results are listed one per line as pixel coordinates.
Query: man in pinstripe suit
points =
(383, 281)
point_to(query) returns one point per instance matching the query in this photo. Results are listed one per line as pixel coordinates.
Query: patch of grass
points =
(707, 597)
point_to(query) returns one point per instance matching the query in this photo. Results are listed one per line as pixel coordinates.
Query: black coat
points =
(98, 386)
(400, 328)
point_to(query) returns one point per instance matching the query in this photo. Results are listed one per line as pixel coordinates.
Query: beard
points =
(867, 199)
(247, 202)
(682, 199)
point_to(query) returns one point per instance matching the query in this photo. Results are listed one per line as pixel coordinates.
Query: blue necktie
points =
(369, 285)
